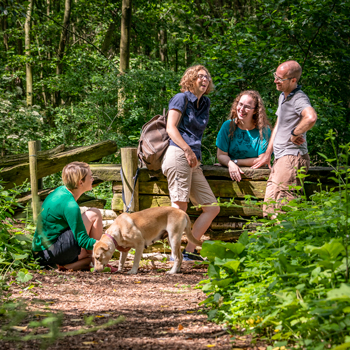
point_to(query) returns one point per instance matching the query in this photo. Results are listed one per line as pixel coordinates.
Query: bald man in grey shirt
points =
(295, 116)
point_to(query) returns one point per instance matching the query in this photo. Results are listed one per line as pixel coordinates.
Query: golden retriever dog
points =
(141, 229)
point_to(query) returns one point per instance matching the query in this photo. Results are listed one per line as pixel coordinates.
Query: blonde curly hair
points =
(191, 75)
(259, 117)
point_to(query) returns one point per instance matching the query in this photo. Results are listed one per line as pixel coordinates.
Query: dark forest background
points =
(78, 72)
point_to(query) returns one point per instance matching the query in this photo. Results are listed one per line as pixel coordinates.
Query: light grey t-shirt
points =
(289, 115)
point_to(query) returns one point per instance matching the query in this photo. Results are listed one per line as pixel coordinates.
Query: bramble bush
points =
(288, 281)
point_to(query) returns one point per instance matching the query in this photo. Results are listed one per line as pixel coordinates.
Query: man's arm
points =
(308, 120)
(265, 158)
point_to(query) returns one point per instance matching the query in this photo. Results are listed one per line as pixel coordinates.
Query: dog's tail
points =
(189, 234)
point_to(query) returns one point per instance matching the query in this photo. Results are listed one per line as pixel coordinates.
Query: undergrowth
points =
(288, 282)
(20, 321)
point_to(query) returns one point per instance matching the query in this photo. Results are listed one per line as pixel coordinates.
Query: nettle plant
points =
(289, 280)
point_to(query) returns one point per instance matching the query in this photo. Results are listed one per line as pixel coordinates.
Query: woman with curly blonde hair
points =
(245, 137)
(187, 119)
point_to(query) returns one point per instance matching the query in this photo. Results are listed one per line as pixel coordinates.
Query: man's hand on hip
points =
(297, 140)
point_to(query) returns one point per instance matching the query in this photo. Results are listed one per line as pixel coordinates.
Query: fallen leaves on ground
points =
(159, 312)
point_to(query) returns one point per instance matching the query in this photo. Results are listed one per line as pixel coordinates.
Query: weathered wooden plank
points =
(111, 171)
(106, 172)
(14, 159)
(19, 173)
(149, 201)
(221, 188)
(94, 203)
(26, 197)
(209, 171)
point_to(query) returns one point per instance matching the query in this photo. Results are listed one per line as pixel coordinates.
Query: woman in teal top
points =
(243, 138)
(65, 237)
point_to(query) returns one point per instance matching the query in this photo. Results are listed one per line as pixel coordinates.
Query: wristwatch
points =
(235, 161)
(293, 132)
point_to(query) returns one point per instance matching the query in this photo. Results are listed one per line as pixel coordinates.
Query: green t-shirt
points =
(244, 144)
(60, 212)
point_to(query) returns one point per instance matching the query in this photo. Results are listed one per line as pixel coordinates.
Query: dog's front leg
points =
(122, 258)
(137, 258)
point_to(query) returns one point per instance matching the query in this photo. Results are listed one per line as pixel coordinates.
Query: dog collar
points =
(114, 241)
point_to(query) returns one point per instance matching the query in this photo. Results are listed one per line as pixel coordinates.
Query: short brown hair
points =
(73, 172)
(191, 75)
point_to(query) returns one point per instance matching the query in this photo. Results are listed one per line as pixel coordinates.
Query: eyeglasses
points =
(241, 105)
(280, 79)
(202, 77)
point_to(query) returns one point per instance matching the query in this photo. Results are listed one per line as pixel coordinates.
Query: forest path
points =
(161, 311)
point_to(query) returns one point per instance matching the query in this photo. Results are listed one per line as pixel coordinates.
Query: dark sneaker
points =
(188, 256)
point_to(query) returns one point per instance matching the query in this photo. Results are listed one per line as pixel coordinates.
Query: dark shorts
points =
(64, 251)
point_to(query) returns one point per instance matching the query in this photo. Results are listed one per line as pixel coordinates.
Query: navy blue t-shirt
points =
(194, 120)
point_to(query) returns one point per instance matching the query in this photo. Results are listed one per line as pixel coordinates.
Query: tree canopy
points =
(76, 49)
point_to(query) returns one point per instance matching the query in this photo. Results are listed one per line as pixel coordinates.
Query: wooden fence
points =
(152, 191)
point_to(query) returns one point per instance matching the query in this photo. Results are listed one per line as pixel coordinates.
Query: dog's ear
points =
(103, 246)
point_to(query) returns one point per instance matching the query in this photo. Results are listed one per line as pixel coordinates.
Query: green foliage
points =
(15, 247)
(289, 280)
(241, 44)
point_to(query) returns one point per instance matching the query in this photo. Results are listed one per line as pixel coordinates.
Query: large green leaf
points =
(343, 346)
(328, 251)
(24, 277)
(212, 249)
(341, 294)
(244, 238)
(233, 265)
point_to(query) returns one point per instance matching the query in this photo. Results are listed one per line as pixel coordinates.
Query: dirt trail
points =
(161, 311)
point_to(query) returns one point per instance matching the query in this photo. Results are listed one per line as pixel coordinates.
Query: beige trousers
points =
(284, 174)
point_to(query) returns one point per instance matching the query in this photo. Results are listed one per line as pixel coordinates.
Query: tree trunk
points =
(3, 21)
(62, 43)
(188, 55)
(125, 36)
(29, 75)
(108, 38)
(19, 41)
(176, 57)
(163, 50)
(41, 73)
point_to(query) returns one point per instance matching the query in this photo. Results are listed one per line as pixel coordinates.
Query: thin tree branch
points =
(74, 32)
(313, 39)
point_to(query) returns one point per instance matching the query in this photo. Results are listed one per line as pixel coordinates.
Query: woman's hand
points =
(235, 171)
(191, 157)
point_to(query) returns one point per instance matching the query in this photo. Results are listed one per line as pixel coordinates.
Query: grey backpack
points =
(154, 141)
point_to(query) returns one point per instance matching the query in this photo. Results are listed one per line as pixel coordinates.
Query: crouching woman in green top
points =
(65, 237)
(245, 137)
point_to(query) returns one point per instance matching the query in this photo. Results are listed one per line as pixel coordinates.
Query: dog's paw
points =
(132, 272)
(171, 272)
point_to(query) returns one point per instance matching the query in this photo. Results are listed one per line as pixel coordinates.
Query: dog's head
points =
(101, 254)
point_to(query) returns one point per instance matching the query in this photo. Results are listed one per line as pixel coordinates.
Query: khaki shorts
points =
(284, 174)
(185, 183)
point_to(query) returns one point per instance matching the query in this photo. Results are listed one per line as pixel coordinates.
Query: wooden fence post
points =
(33, 179)
(40, 181)
(129, 167)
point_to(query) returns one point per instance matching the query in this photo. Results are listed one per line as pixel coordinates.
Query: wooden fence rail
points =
(152, 191)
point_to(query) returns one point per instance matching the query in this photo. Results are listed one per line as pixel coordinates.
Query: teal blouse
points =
(244, 144)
